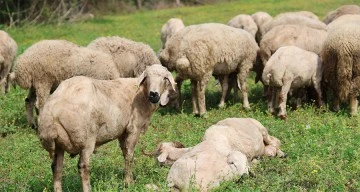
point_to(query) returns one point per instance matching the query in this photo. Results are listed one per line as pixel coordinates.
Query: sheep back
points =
(342, 10)
(131, 57)
(245, 22)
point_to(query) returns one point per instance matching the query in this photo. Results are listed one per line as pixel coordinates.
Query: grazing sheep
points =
(261, 19)
(245, 22)
(199, 51)
(45, 64)
(292, 68)
(307, 38)
(225, 153)
(84, 113)
(307, 14)
(8, 50)
(342, 10)
(341, 63)
(172, 26)
(341, 20)
(294, 19)
(131, 58)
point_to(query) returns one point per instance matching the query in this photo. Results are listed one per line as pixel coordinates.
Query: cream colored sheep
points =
(341, 20)
(307, 14)
(224, 153)
(245, 22)
(172, 26)
(84, 113)
(292, 68)
(45, 64)
(341, 63)
(130, 57)
(342, 10)
(261, 19)
(199, 51)
(8, 50)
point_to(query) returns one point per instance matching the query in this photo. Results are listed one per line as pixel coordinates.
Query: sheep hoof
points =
(247, 108)
(204, 115)
(282, 116)
(222, 105)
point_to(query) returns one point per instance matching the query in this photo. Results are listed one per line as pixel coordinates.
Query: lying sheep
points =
(342, 10)
(341, 20)
(245, 22)
(199, 51)
(172, 26)
(340, 56)
(288, 68)
(8, 50)
(131, 58)
(45, 64)
(261, 19)
(224, 153)
(84, 113)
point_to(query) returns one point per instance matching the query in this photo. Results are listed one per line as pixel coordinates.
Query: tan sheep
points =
(130, 57)
(199, 51)
(172, 26)
(225, 153)
(291, 68)
(8, 50)
(245, 22)
(342, 10)
(84, 113)
(45, 64)
(340, 55)
(341, 20)
(261, 19)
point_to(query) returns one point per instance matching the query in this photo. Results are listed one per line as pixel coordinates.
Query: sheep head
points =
(157, 82)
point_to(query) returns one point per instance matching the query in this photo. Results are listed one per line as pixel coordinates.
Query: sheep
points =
(131, 58)
(245, 22)
(342, 10)
(261, 19)
(45, 64)
(288, 68)
(340, 55)
(307, 14)
(172, 26)
(225, 152)
(341, 20)
(289, 19)
(84, 113)
(198, 51)
(8, 50)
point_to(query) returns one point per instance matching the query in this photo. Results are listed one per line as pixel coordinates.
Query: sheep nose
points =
(154, 97)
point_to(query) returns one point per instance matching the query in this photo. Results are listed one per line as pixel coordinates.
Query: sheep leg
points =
(127, 144)
(271, 99)
(201, 94)
(56, 167)
(179, 82)
(353, 105)
(242, 79)
(43, 93)
(84, 167)
(29, 106)
(2, 87)
(283, 97)
(317, 86)
(194, 96)
(336, 103)
(224, 89)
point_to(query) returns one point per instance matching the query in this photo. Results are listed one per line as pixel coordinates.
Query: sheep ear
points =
(162, 157)
(164, 98)
(141, 79)
(171, 80)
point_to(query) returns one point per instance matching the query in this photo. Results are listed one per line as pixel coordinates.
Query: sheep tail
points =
(344, 76)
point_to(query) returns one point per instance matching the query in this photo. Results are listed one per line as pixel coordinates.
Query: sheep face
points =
(157, 82)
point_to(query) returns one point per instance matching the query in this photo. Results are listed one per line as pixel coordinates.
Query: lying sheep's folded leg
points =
(194, 96)
(56, 167)
(84, 166)
(29, 105)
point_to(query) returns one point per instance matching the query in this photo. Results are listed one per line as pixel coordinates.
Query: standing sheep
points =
(225, 153)
(293, 68)
(340, 55)
(198, 51)
(261, 19)
(307, 14)
(343, 19)
(245, 22)
(172, 26)
(45, 64)
(8, 50)
(85, 113)
(131, 58)
(342, 10)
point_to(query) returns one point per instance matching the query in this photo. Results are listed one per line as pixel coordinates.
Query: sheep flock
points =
(86, 96)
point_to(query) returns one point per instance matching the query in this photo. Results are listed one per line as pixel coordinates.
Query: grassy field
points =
(323, 147)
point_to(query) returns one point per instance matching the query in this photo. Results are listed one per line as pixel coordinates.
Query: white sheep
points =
(343, 19)
(199, 51)
(307, 14)
(225, 153)
(45, 64)
(172, 26)
(8, 50)
(261, 19)
(292, 68)
(130, 57)
(84, 113)
(245, 22)
(341, 64)
(342, 10)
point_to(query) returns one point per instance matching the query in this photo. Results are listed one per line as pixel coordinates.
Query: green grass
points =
(323, 147)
